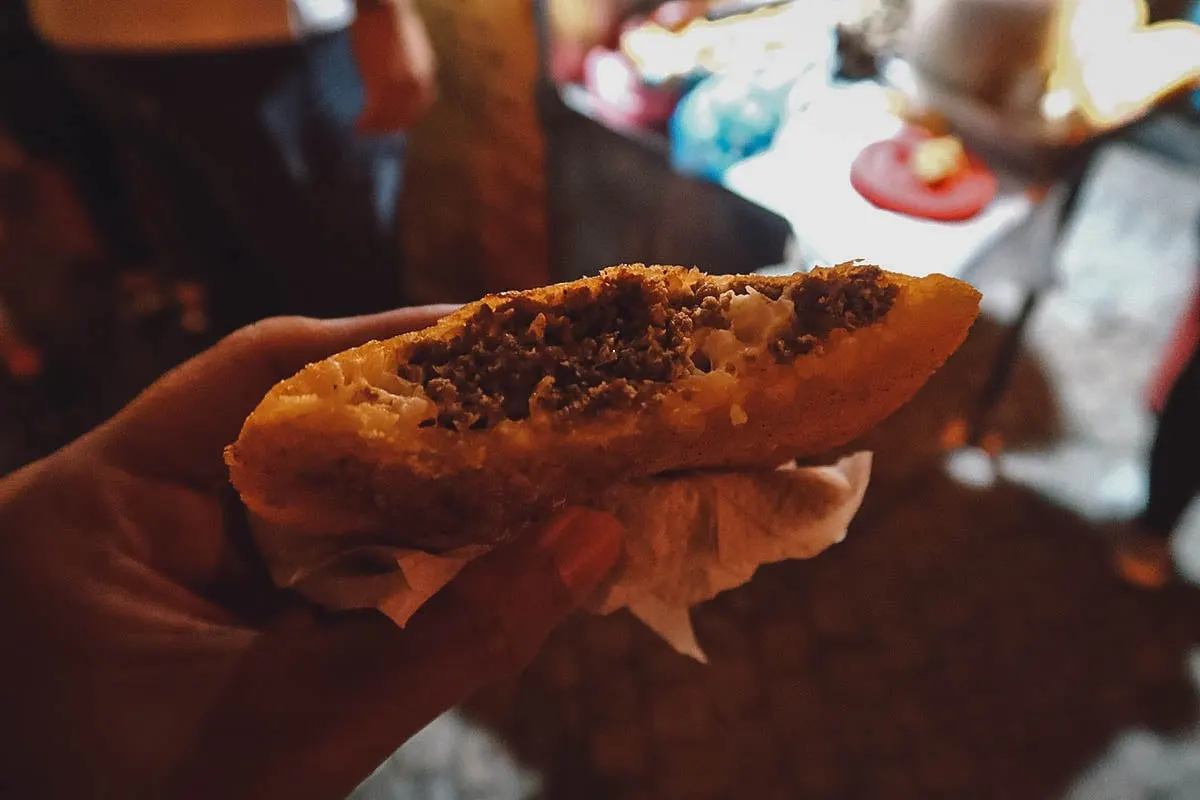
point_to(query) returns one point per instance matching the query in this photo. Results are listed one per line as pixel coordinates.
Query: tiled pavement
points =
(962, 642)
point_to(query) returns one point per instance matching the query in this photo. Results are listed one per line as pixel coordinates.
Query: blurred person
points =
(149, 654)
(1142, 546)
(43, 124)
(265, 139)
(49, 122)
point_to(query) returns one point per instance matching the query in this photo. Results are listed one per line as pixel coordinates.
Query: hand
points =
(147, 654)
(397, 64)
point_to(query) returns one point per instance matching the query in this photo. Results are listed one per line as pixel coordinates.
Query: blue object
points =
(725, 119)
(1195, 17)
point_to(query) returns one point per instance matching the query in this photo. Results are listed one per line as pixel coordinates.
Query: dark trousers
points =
(1175, 455)
(250, 177)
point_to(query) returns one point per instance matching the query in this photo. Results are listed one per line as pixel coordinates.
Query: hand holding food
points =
(470, 430)
(659, 394)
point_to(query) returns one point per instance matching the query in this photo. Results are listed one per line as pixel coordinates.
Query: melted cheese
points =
(755, 320)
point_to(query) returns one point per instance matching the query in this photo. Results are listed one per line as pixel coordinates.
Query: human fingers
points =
(314, 708)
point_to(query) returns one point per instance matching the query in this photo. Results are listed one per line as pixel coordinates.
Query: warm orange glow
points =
(711, 45)
(1112, 67)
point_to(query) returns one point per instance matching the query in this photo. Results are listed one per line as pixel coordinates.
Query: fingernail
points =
(584, 546)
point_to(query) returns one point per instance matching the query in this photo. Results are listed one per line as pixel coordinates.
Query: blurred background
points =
(985, 630)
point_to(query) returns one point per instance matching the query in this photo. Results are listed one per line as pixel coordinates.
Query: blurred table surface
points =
(805, 175)
(805, 178)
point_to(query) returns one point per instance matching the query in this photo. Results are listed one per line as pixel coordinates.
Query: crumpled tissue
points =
(688, 537)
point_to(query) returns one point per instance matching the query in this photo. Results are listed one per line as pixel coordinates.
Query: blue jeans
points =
(250, 176)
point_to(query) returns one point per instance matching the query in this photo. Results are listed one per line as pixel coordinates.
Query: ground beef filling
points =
(590, 355)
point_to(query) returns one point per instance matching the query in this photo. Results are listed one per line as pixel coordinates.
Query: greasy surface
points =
(315, 457)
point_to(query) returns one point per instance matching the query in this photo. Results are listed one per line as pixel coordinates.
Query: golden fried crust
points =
(319, 454)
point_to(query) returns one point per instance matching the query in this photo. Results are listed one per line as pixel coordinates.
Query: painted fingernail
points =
(584, 546)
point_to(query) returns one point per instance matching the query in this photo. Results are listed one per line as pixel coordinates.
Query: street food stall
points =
(910, 133)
